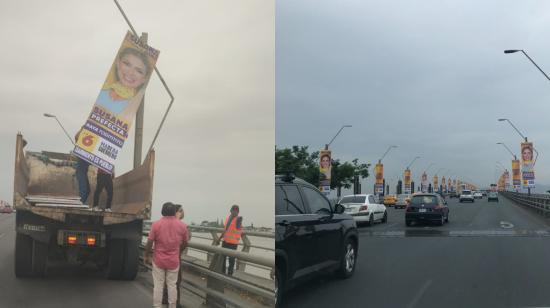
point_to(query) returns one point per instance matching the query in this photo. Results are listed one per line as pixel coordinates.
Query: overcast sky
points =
(216, 148)
(428, 76)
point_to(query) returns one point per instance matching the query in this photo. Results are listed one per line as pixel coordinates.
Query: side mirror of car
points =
(339, 209)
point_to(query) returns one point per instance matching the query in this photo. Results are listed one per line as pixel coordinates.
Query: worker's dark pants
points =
(82, 178)
(104, 181)
(231, 259)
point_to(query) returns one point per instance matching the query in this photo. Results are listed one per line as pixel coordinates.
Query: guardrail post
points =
(216, 265)
(246, 248)
(215, 239)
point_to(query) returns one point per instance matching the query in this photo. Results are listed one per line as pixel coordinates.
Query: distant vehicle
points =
(493, 196)
(478, 195)
(364, 208)
(453, 194)
(402, 201)
(390, 200)
(466, 195)
(6, 209)
(426, 207)
(311, 235)
(484, 193)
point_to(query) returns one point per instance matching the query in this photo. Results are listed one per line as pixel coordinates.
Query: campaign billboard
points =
(102, 137)
(516, 174)
(379, 176)
(325, 171)
(407, 177)
(527, 165)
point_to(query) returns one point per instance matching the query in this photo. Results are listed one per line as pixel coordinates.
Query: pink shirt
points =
(167, 234)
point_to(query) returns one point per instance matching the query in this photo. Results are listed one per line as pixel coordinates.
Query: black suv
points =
(310, 234)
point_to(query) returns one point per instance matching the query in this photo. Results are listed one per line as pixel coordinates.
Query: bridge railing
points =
(538, 202)
(244, 284)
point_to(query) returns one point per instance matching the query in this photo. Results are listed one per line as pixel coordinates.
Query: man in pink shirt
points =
(170, 236)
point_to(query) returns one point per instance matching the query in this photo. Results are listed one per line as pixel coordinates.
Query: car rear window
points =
(426, 200)
(466, 192)
(353, 199)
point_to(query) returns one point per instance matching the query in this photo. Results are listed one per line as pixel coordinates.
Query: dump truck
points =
(53, 225)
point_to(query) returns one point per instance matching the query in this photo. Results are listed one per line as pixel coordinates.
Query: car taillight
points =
(438, 208)
(71, 239)
(90, 240)
(363, 208)
(408, 208)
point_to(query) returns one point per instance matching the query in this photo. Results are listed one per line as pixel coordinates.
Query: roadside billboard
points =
(407, 177)
(436, 183)
(443, 184)
(516, 174)
(424, 182)
(527, 165)
(103, 135)
(379, 175)
(325, 169)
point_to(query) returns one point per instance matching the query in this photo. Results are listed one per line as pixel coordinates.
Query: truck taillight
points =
(71, 239)
(90, 241)
(363, 208)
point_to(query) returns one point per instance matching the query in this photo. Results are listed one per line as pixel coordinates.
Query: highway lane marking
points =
(457, 233)
(419, 294)
(506, 225)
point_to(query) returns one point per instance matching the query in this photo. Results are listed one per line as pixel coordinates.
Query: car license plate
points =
(422, 210)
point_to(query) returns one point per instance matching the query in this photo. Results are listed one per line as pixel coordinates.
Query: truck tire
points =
(131, 260)
(116, 258)
(23, 255)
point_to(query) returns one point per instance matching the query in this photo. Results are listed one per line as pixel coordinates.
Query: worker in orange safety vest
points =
(232, 236)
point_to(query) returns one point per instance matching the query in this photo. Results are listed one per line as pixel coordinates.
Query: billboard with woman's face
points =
(108, 125)
(436, 183)
(527, 165)
(325, 169)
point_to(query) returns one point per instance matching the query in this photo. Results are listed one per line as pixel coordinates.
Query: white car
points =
(466, 195)
(364, 209)
(478, 195)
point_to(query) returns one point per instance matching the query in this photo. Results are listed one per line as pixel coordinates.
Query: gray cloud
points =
(429, 76)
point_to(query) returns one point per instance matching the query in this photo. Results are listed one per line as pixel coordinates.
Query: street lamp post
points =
(380, 162)
(331, 140)
(409, 165)
(535, 64)
(48, 115)
(524, 138)
(513, 155)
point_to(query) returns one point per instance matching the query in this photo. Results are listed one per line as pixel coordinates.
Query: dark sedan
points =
(426, 207)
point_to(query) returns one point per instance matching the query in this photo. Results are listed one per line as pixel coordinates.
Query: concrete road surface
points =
(488, 255)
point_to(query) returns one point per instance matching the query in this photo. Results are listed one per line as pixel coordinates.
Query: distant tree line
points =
(298, 161)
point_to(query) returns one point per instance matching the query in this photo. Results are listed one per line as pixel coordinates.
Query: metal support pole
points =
(138, 142)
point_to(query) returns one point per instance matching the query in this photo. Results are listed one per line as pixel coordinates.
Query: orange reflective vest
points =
(232, 235)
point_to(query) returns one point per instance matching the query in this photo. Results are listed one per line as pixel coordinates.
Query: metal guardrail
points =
(242, 257)
(538, 202)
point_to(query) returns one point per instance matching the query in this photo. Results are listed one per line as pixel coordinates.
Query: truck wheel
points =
(131, 260)
(23, 255)
(116, 257)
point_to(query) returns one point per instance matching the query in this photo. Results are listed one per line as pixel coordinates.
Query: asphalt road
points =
(488, 255)
(64, 286)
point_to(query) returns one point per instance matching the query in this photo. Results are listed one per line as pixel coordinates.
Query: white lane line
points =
(419, 294)
(506, 225)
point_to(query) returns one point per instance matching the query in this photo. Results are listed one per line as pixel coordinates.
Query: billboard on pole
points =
(407, 177)
(325, 170)
(379, 175)
(527, 165)
(424, 182)
(102, 137)
(516, 174)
